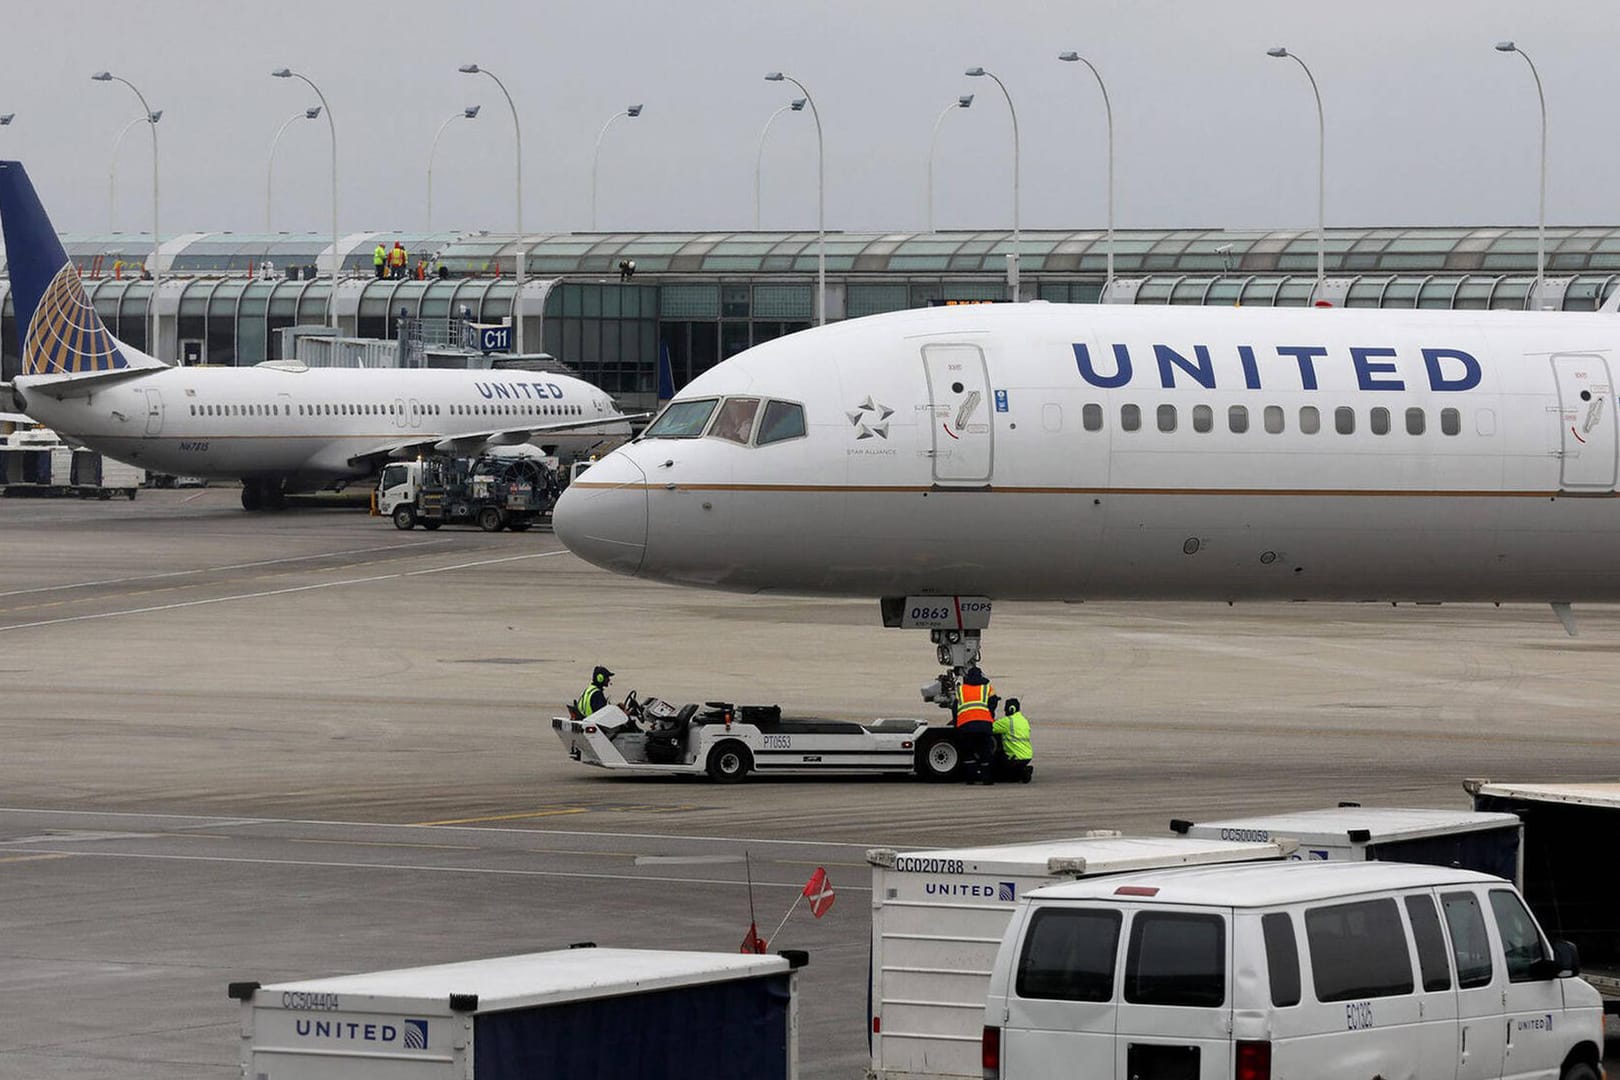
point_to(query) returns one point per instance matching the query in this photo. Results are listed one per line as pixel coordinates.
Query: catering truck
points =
(583, 1013)
(939, 916)
(1571, 867)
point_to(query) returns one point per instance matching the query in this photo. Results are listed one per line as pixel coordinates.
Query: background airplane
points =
(278, 426)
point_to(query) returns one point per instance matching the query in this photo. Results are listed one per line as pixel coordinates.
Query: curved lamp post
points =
(796, 105)
(112, 165)
(1281, 53)
(1108, 110)
(630, 113)
(1541, 209)
(151, 118)
(821, 198)
(1012, 259)
(521, 254)
(469, 113)
(270, 164)
(963, 102)
(331, 125)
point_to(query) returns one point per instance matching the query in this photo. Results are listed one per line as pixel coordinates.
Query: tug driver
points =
(595, 695)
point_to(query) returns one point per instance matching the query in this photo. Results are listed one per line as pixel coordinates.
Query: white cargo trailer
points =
(938, 918)
(1491, 843)
(582, 1013)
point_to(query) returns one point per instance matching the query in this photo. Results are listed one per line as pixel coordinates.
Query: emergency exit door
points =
(1588, 433)
(960, 403)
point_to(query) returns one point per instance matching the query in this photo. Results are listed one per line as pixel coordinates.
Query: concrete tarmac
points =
(285, 745)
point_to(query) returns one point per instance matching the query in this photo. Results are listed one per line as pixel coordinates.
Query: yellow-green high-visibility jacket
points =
(1013, 731)
(592, 699)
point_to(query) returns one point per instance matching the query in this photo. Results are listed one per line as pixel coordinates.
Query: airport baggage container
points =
(582, 1013)
(938, 919)
(1492, 843)
(1571, 867)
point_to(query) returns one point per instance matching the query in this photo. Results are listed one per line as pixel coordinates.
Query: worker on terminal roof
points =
(595, 695)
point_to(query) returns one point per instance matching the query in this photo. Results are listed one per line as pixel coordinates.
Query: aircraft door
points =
(1588, 432)
(399, 412)
(154, 412)
(960, 400)
(415, 411)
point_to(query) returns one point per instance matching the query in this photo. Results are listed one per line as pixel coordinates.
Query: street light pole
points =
(112, 170)
(631, 113)
(331, 124)
(796, 105)
(270, 165)
(1541, 209)
(1108, 109)
(1321, 169)
(821, 198)
(157, 259)
(517, 295)
(1012, 260)
(469, 113)
(963, 102)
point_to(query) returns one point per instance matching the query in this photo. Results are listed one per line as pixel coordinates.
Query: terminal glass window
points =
(1431, 945)
(1378, 420)
(1450, 422)
(1469, 945)
(1414, 421)
(736, 420)
(1203, 419)
(1282, 958)
(1310, 420)
(1358, 950)
(1069, 955)
(1176, 959)
(1167, 418)
(682, 420)
(1521, 941)
(1344, 420)
(1274, 419)
(1091, 416)
(1130, 417)
(1237, 418)
(783, 420)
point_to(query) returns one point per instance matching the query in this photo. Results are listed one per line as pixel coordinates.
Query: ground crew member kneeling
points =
(1017, 758)
(595, 696)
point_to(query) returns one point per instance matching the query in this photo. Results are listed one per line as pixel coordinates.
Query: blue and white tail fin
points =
(60, 332)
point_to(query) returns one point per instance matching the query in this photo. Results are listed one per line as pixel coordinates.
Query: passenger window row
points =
(1274, 419)
(388, 409)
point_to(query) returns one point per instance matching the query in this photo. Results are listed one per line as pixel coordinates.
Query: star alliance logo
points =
(870, 418)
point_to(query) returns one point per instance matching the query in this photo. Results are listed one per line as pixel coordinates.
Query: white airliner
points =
(277, 426)
(1065, 452)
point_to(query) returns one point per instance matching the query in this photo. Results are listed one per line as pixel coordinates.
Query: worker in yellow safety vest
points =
(595, 695)
(1016, 760)
(975, 716)
(379, 258)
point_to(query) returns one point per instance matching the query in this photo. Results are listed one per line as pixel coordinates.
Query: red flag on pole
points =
(820, 892)
(753, 943)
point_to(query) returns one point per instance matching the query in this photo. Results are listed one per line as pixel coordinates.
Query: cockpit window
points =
(736, 420)
(783, 420)
(682, 420)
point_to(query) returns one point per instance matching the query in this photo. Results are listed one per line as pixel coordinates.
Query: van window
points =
(1282, 959)
(1431, 944)
(1069, 955)
(1469, 945)
(393, 476)
(1520, 938)
(1176, 959)
(1358, 950)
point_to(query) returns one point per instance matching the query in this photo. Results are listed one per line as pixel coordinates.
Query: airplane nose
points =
(602, 517)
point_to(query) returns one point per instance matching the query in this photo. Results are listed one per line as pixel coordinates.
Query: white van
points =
(1293, 971)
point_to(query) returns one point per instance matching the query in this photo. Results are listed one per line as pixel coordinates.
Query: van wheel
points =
(490, 519)
(938, 757)
(729, 762)
(404, 518)
(1579, 1071)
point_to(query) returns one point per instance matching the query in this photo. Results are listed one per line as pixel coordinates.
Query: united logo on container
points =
(416, 1034)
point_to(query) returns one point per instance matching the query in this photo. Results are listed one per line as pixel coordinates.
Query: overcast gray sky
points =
(1426, 123)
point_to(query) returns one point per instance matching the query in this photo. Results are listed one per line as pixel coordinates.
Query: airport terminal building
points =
(706, 296)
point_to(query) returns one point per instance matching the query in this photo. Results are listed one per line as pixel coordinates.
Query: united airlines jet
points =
(1065, 452)
(278, 426)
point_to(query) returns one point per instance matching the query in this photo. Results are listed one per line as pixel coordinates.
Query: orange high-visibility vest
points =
(973, 704)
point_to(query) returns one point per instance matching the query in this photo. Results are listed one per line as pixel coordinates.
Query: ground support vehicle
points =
(491, 491)
(1288, 971)
(37, 462)
(1571, 866)
(938, 918)
(577, 1012)
(727, 742)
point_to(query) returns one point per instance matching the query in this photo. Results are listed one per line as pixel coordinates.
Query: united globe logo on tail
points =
(66, 336)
